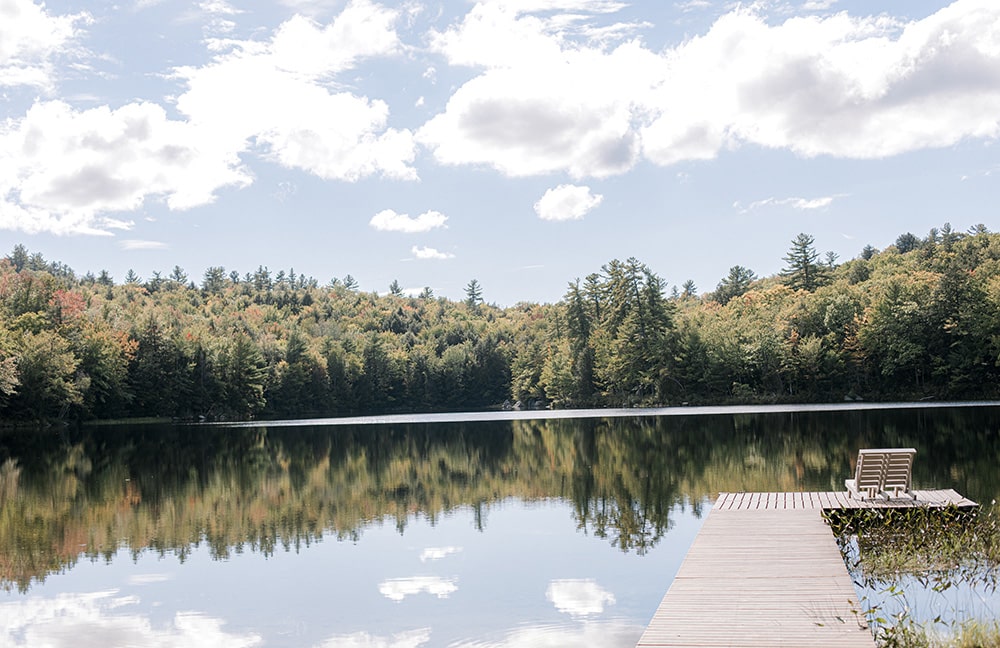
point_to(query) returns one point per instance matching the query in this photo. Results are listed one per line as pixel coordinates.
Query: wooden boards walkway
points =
(764, 571)
(836, 500)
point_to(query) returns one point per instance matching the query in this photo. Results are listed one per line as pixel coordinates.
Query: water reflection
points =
(85, 493)
(579, 597)
(409, 639)
(397, 589)
(437, 553)
(101, 619)
(587, 633)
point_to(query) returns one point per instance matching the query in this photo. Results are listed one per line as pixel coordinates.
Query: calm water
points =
(504, 533)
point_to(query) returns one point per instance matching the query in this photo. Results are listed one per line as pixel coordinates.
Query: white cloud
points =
(437, 553)
(429, 253)
(818, 5)
(219, 7)
(566, 202)
(579, 597)
(845, 86)
(590, 6)
(547, 99)
(795, 203)
(558, 87)
(311, 7)
(276, 93)
(133, 244)
(388, 220)
(544, 103)
(609, 634)
(814, 203)
(29, 38)
(397, 589)
(693, 5)
(62, 169)
(68, 619)
(214, 16)
(409, 639)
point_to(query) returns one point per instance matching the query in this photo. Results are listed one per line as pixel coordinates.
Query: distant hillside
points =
(920, 319)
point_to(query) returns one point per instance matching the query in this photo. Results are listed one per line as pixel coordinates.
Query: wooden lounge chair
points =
(882, 471)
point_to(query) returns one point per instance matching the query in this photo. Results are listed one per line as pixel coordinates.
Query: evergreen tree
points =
(948, 237)
(215, 279)
(734, 284)
(178, 275)
(907, 243)
(579, 325)
(18, 257)
(243, 374)
(473, 294)
(803, 273)
(155, 283)
(159, 373)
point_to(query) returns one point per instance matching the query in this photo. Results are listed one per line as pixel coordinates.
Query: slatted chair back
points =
(882, 471)
(898, 471)
(867, 480)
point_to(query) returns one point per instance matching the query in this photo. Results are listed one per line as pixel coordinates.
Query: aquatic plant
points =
(927, 577)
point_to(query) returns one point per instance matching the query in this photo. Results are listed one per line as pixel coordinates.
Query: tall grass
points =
(926, 577)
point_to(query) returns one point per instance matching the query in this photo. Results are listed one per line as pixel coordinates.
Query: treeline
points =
(920, 319)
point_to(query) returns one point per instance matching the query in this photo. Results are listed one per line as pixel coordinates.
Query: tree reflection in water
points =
(90, 491)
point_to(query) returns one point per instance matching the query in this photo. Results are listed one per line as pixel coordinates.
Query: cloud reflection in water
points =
(606, 634)
(86, 620)
(399, 588)
(409, 639)
(579, 597)
(437, 553)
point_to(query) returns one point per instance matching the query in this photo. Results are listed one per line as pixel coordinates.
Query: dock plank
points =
(765, 570)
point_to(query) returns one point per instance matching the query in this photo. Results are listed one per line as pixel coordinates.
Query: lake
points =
(411, 532)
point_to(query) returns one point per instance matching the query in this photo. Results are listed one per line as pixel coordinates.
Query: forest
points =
(917, 320)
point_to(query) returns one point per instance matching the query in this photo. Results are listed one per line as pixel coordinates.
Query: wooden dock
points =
(836, 500)
(765, 570)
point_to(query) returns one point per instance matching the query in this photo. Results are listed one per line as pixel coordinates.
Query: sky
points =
(521, 143)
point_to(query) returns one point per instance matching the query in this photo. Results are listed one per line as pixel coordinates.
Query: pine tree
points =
(803, 273)
(473, 294)
(18, 257)
(735, 284)
(907, 243)
(215, 279)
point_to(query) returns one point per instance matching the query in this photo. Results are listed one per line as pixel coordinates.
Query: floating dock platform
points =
(765, 570)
